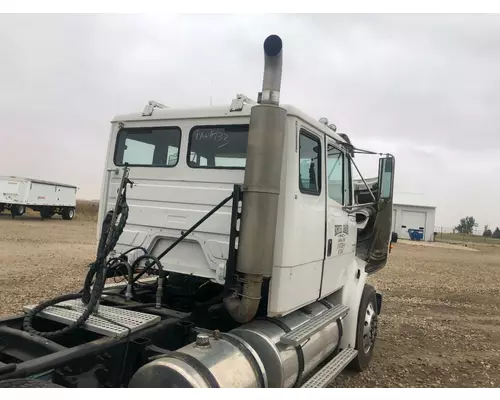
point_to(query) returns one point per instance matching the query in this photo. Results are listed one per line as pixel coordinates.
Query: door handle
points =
(329, 249)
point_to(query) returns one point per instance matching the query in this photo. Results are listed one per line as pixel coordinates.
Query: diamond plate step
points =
(331, 370)
(107, 325)
(306, 330)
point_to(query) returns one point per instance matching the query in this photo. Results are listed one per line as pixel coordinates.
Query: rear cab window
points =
(218, 146)
(148, 147)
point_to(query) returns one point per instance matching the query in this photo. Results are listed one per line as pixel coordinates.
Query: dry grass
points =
(87, 210)
(464, 238)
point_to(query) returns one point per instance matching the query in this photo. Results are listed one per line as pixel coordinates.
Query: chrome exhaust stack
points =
(261, 188)
(273, 66)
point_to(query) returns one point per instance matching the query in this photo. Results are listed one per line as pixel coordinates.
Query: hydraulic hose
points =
(135, 248)
(161, 276)
(94, 298)
(107, 243)
(155, 261)
(109, 237)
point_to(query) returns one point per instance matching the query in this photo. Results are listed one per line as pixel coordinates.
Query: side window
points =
(335, 174)
(309, 164)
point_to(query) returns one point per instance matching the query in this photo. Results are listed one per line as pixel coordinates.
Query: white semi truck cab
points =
(244, 244)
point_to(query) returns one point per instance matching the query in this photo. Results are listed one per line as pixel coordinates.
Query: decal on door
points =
(342, 231)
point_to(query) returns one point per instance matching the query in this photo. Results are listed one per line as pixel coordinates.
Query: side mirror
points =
(363, 216)
(386, 178)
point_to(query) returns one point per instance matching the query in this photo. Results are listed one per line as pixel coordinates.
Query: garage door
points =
(412, 220)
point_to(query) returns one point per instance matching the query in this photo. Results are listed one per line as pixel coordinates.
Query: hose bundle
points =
(113, 226)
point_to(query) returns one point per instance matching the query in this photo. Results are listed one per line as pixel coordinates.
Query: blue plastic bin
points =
(416, 234)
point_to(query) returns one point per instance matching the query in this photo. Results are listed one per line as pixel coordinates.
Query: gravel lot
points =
(440, 323)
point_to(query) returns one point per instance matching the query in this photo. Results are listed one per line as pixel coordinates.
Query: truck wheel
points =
(27, 383)
(366, 332)
(394, 237)
(17, 210)
(68, 213)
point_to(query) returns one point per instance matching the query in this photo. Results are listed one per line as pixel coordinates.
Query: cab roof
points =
(220, 112)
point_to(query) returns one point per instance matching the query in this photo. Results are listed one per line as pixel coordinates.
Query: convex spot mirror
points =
(362, 218)
(386, 178)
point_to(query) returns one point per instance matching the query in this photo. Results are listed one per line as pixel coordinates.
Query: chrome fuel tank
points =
(224, 361)
(285, 365)
(250, 356)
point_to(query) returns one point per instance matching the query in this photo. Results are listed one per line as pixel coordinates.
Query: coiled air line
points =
(113, 226)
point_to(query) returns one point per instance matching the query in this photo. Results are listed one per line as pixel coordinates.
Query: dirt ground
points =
(440, 322)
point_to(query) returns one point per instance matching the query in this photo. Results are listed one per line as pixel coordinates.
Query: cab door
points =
(340, 230)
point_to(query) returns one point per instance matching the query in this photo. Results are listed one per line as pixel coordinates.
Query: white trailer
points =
(49, 198)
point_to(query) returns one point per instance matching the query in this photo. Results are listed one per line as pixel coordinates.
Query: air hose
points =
(111, 232)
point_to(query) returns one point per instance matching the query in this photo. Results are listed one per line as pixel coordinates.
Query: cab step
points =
(331, 370)
(306, 330)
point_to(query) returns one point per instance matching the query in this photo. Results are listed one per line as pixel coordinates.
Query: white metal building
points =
(412, 212)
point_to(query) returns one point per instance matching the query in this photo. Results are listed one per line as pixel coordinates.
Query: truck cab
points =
(183, 162)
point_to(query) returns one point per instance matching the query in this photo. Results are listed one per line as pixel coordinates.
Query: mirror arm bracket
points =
(354, 208)
(357, 169)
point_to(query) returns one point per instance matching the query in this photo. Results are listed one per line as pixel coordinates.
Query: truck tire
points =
(68, 213)
(17, 210)
(394, 237)
(366, 332)
(27, 383)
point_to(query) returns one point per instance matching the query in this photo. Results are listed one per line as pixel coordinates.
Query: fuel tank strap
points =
(244, 348)
(298, 349)
(197, 365)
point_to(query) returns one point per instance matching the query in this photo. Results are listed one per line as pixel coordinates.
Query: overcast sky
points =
(424, 87)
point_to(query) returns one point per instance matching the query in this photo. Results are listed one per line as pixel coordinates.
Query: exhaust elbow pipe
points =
(262, 184)
(244, 309)
(273, 64)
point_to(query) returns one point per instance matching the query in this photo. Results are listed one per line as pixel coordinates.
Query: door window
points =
(335, 174)
(310, 164)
